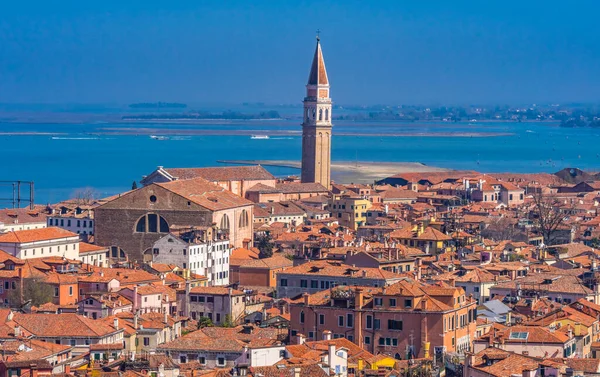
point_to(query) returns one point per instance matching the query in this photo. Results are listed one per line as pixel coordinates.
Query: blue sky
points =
(409, 52)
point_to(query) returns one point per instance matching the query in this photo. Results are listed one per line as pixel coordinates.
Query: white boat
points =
(259, 137)
(159, 137)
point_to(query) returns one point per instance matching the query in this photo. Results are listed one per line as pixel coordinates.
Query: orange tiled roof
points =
(205, 194)
(33, 235)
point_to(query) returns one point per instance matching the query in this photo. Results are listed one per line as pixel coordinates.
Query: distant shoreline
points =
(109, 131)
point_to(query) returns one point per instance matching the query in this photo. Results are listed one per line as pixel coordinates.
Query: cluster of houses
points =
(231, 271)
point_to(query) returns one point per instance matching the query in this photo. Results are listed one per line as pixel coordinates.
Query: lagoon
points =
(60, 158)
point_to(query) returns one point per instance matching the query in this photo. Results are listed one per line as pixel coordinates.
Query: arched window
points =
(244, 219)
(224, 222)
(117, 252)
(314, 113)
(326, 114)
(152, 223)
(320, 114)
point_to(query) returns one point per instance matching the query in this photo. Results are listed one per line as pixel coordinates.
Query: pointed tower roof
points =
(318, 73)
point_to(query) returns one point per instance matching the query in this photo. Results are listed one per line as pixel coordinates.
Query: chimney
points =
(116, 323)
(135, 298)
(451, 281)
(508, 319)
(470, 360)
(358, 298)
(186, 300)
(330, 354)
(419, 268)
(17, 331)
(301, 338)
(135, 320)
(326, 335)
(306, 298)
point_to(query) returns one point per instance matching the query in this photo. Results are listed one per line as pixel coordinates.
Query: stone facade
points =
(117, 220)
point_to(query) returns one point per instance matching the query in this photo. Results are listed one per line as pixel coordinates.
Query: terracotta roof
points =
(549, 282)
(276, 261)
(21, 216)
(62, 325)
(323, 268)
(32, 235)
(85, 247)
(223, 339)
(224, 173)
(242, 253)
(506, 363)
(205, 194)
(220, 291)
(294, 187)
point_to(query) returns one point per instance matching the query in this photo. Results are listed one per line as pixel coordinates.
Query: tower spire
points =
(318, 73)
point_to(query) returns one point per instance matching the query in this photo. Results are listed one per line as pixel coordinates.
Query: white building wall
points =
(76, 225)
(261, 357)
(62, 247)
(210, 259)
(13, 227)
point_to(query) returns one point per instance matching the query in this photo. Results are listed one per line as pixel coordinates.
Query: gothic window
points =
(225, 222)
(320, 114)
(152, 223)
(326, 114)
(244, 219)
(314, 113)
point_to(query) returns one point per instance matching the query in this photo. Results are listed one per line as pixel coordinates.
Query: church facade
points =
(316, 127)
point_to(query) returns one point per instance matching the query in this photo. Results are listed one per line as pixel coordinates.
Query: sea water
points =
(67, 157)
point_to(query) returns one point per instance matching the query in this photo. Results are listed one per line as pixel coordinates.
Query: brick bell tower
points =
(316, 127)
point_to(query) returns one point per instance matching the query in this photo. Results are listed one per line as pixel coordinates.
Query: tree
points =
(205, 322)
(134, 185)
(34, 290)
(227, 321)
(550, 214)
(503, 228)
(85, 196)
(265, 246)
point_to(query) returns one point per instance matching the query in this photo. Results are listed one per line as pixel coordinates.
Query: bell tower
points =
(316, 127)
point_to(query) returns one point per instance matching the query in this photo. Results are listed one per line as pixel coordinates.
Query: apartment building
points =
(43, 242)
(219, 304)
(316, 276)
(350, 211)
(201, 255)
(407, 319)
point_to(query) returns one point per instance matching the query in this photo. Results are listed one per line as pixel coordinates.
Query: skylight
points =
(519, 335)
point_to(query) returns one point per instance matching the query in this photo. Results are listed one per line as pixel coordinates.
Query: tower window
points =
(326, 114)
(320, 114)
